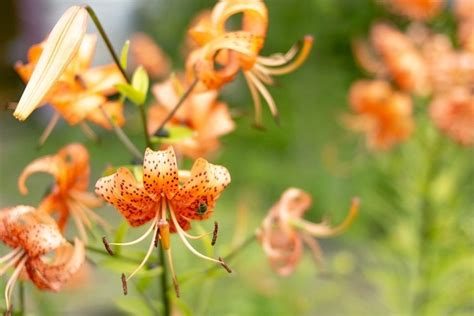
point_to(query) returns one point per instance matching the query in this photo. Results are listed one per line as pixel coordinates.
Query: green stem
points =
(425, 230)
(164, 281)
(107, 41)
(122, 136)
(231, 255)
(180, 102)
(21, 289)
(105, 253)
(116, 59)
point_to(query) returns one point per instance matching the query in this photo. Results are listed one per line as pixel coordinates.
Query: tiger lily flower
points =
(222, 53)
(147, 53)
(284, 231)
(384, 115)
(81, 92)
(202, 113)
(33, 234)
(68, 195)
(160, 199)
(453, 113)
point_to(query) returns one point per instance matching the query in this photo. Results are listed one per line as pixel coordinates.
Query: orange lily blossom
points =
(453, 113)
(202, 113)
(33, 234)
(68, 196)
(222, 53)
(160, 199)
(80, 91)
(283, 231)
(145, 52)
(384, 115)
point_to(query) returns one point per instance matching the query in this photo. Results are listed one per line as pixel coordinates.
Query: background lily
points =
(283, 231)
(202, 113)
(33, 234)
(68, 195)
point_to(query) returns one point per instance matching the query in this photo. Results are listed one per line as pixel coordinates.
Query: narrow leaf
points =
(124, 54)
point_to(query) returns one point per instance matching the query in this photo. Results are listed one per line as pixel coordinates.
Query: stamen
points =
(124, 284)
(10, 255)
(12, 281)
(157, 236)
(303, 54)
(148, 254)
(266, 95)
(188, 245)
(49, 128)
(261, 73)
(107, 246)
(256, 100)
(136, 241)
(13, 260)
(89, 132)
(79, 224)
(94, 216)
(214, 233)
(279, 59)
(225, 265)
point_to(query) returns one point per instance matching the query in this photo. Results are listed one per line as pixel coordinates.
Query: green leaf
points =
(140, 83)
(119, 236)
(124, 54)
(130, 93)
(176, 134)
(120, 266)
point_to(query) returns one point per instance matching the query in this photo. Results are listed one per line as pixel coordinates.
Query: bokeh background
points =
(369, 270)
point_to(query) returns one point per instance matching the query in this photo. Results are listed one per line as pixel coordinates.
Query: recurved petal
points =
(40, 234)
(160, 173)
(61, 46)
(197, 198)
(53, 275)
(76, 159)
(128, 196)
(49, 164)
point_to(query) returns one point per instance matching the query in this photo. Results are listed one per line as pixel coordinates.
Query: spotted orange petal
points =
(160, 173)
(206, 183)
(128, 196)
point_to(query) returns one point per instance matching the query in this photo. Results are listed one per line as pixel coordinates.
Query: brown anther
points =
(124, 284)
(107, 246)
(214, 233)
(157, 237)
(8, 312)
(224, 265)
(176, 287)
(80, 81)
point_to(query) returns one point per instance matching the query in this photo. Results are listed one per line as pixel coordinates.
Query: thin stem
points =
(105, 253)
(107, 41)
(116, 59)
(21, 290)
(163, 281)
(122, 136)
(180, 102)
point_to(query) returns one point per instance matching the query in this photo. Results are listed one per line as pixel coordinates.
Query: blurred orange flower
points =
(416, 9)
(80, 91)
(68, 195)
(223, 53)
(33, 234)
(384, 115)
(161, 199)
(147, 53)
(202, 113)
(403, 60)
(453, 113)
(283, 231)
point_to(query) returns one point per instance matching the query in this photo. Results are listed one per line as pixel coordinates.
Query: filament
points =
(49, 128)
(256, 99)
(148, 254)
(264, 92)
(12, 281)
(10, 255)
(136, 241)
(13, 256)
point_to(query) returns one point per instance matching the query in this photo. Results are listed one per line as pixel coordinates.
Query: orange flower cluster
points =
(416, 9)
(81, 91)
(422, 63)
(284, 231)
